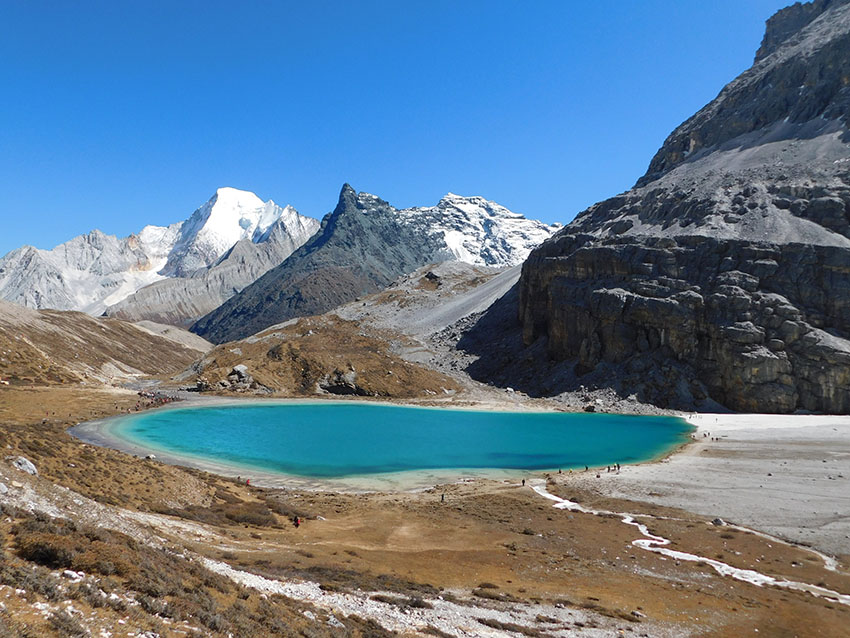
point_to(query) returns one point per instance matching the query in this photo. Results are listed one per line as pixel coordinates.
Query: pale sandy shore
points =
(785, 475)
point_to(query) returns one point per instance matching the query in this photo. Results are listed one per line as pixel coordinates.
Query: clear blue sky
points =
(119, 114)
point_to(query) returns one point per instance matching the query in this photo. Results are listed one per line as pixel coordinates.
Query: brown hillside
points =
(51, 346)
(316, 355)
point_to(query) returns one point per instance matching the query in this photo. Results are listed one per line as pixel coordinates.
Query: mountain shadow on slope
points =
(501, 358)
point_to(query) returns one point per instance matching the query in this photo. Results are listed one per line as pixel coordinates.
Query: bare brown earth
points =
(490, 542)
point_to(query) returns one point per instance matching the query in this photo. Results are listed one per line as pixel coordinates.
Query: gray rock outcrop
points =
(726, 270)
(22, 464)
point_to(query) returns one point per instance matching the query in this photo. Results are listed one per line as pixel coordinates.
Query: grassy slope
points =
(51, 346)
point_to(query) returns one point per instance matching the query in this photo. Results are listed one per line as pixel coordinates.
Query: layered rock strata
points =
(731, 258)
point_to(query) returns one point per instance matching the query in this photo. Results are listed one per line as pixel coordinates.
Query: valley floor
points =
(494, 558)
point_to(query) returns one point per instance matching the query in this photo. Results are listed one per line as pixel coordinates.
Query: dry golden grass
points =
(498, 539)
(167, 587)
(55, 347)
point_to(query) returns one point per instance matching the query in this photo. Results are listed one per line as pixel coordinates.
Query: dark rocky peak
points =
(789, 21)
(801, 82)
(354, 214)
(347, 198)
(351, 202)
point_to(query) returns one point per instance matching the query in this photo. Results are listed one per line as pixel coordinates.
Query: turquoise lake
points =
(335, 440)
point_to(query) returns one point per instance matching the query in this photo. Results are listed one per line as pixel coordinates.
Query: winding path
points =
(658, 544)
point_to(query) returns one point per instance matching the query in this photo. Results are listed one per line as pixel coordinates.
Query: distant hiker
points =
(248, 482)
(523, 482)
(585, 468)
(442, 498)
(296, 521)
(559, 470)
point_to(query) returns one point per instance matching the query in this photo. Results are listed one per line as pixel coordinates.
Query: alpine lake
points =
(333, 440)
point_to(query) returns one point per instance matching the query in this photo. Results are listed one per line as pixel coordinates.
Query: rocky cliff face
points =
(363, 246)
(725, 273)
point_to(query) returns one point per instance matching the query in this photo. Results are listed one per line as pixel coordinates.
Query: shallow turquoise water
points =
(332, 440)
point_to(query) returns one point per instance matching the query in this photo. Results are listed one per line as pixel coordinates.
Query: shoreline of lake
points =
(102, 432)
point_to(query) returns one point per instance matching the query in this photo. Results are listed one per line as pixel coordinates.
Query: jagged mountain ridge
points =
(364, 245)
(85, 273)
(798, 77)
(94, 271)
(725, 272)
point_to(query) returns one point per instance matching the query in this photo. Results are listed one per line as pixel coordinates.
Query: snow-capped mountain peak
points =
(479, 231)
(96, 270)
(229, 216)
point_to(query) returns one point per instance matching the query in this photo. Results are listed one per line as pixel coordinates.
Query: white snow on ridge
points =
(480, 232)
(93, 271)
(228, 217)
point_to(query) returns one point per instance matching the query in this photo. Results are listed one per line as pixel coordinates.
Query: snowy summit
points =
(96, 270)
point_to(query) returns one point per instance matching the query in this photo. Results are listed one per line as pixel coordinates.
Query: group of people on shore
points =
(148, 399)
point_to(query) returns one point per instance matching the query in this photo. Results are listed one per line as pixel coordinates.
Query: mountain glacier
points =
(94, 271)
(182, 300)
(477, 231)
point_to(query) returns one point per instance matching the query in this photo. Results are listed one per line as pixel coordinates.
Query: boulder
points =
(22, 464)
(339, 382)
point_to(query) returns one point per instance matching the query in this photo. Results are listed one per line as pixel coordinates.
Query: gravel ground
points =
(785, 475)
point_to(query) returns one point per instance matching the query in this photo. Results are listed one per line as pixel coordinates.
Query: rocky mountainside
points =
(86, 273)
(52, 346)
(94, 271)
(725, 273)
(363, 246)
(313, 356)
